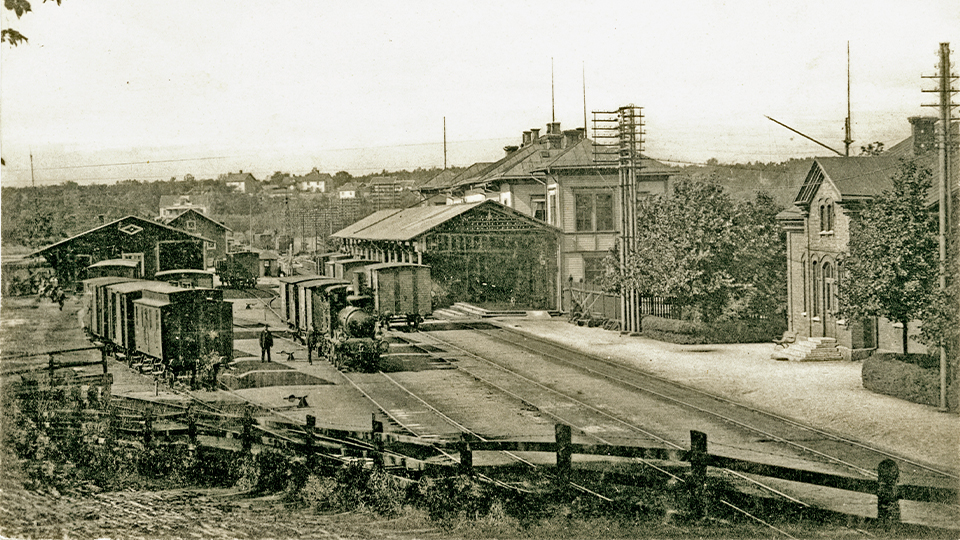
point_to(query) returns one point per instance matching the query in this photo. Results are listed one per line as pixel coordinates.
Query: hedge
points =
(696, 333)
(911, 377)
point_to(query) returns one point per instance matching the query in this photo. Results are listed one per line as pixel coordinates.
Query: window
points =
(593, 268)
(594, 211)
(191, 225)
(829, 296)
(816, 279)
(539, 207)
(826, 217)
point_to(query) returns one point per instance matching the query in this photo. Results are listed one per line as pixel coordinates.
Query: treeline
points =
(39, 216)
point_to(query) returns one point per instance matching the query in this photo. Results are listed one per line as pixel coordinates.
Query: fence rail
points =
(591, 301)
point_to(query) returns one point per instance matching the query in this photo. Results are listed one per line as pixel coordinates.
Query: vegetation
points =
(717, 258)
(912, 377)
(892, 270)
(20, 7)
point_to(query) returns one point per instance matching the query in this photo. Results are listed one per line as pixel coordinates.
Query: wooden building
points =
(155, 246)
(483, 253)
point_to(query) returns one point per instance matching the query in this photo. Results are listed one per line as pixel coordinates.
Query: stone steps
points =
(817, 349)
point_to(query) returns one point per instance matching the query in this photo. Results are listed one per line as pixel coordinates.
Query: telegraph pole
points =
(945, 105)
(444, 143)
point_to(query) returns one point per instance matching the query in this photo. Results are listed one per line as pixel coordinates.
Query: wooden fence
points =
(593, 302)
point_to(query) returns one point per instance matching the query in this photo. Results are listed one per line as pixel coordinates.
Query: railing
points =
(591, 301)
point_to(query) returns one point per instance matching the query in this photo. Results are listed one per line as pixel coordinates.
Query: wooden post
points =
(563, 437)
(103, 359)
(696, 484)
(246, 434)
(888, 495)
(466, 454)
(308, 431)
(377, 439)
(148, 426)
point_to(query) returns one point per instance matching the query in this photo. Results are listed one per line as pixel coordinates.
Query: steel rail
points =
(777, 417)
(600, 412)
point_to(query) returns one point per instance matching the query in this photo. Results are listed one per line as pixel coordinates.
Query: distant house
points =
(155, 246)
(818, 233)
(269, 263)
(314, 181)
(172, 206)
(194, 222)
(240, 181)
(350, 190)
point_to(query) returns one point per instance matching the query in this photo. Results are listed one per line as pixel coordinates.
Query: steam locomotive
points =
(350, 308)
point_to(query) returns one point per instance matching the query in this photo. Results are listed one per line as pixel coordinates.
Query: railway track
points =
(766, 427)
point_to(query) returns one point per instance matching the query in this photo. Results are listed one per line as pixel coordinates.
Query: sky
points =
(108, 90)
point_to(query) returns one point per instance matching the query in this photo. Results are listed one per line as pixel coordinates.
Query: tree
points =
(20, 7)
(685, 247)
(892, 269)
(760, 260)
(872, 149)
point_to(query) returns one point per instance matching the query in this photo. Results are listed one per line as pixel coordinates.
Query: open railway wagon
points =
(343, 268)
(114, 267)
(401, 292)
(176, 326)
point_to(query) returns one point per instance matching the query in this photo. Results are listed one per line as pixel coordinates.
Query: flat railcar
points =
(186, 278)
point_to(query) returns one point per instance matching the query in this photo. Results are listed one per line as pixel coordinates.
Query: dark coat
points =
(266, 339)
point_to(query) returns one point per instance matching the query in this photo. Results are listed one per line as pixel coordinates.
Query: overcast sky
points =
(206, 87)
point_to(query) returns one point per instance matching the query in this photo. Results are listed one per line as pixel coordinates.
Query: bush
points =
(911, 377)
(354, 487)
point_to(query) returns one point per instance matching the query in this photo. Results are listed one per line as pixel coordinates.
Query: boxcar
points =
(397, 288)
(177, 325)
(324, 261)
(289, 305)
(186, 278)
(93, 313)
(343, 268)
(122, 298)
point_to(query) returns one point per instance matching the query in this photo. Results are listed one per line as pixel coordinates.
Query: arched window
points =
(816, 281)
(830, 216)
(829, 288)
(823, 217)
(826, 216)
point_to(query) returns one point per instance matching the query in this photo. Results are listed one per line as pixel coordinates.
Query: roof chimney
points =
(510, 149)
(554, 137)
(923, 134)
(571, 137)
(526, 138)
(534, 134)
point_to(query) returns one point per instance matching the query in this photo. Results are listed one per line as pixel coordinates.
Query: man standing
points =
(266, 342)
(312, 336)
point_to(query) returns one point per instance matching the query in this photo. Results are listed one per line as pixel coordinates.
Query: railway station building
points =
(558, 178)
(483, 252)
(200, 224)
(155, 246)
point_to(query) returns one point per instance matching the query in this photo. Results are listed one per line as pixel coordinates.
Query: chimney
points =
(923, 134)
(571, 137)
(526, 138)
(554, 137)
(534, 134)
(241, 171)
(510, 149)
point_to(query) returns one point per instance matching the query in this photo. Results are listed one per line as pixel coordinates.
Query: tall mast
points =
(847, 140)
(553, 115)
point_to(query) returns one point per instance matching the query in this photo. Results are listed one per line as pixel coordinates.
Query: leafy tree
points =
(760, 260)
(872, 149)
(20, 7)
(685, 247)
(892, 270)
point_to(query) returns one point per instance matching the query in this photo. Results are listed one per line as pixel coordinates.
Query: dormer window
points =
(191, 225)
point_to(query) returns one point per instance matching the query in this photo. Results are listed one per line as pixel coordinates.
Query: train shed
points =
(483, 253)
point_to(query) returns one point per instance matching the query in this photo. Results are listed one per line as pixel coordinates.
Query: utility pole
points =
(945, 105)
(33, 182)
(444, 143)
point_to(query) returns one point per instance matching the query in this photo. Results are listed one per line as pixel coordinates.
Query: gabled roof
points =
(194, 213)
(409, 223)
(447, 178)
(350, 186)
(854, 177)
(239, 177)
(191, 200)
(145, 223)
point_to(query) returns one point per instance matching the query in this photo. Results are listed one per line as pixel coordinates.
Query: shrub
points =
(697, 333)
(911, 377)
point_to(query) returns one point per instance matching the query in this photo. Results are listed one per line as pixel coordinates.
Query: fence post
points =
(563, 439)
(696, 484)
(888, 495)
(103, 359)
(377, 439)
(308, 430)
(246, 430)
(148, 425)
(466, 454)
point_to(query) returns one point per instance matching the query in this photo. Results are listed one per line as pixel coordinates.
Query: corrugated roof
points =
(581, 155)
(115, 262)
(402, 225)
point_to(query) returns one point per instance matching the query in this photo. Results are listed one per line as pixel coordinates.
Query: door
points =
(829, 301)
